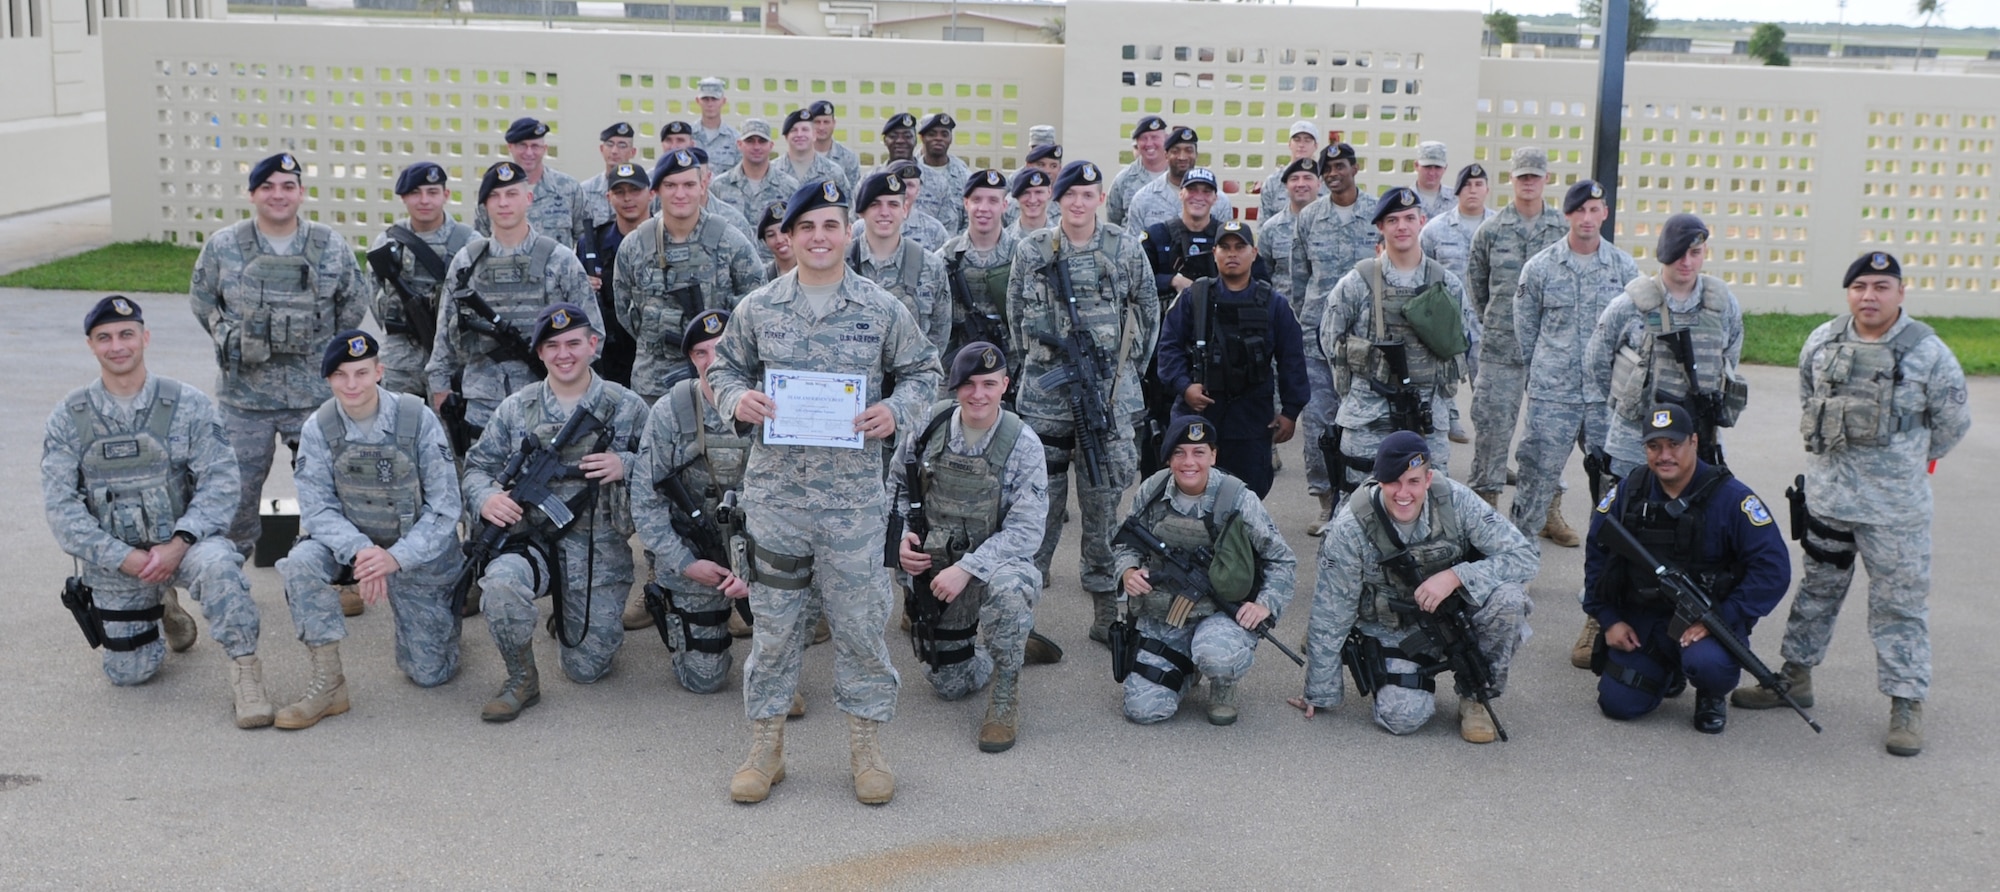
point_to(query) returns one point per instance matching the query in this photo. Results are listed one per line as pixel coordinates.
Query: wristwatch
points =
(185, 536)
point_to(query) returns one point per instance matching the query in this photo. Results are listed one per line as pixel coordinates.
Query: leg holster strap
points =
(1171, 679)
(133, 642)
(785, 563)
(1414, 680)
(950, 646)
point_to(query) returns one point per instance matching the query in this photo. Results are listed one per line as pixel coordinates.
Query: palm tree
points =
(1929, 10)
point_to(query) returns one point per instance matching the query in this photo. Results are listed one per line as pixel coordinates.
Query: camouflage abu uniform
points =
(561, 210)
(1327, 242)
(850, 163)
(1711, 312)
(819, 512)
(1364, 413)
(1276, 233)
(821, 169)
(658, 285)
(1119, 196)
(750, 197)
(944, 186)
(1500, 248)
(1276, 199)
(1159, 201)
(916, 277)
(1447, 239)
(271, 308)
(720, 144)
(404, 351)
(517, 283)
(987, 274)
(419, 528)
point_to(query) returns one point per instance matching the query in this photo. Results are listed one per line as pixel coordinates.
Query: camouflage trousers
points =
(403, 359)
(1322, 404)
(254, 435)
(1555, 429)
(1097, 507)
(426, 627)
(1359, 447)
(1899, 584)
(514, 580)
(845, 548)
(1221, 649)
(212, 573)
(698, 671)
(1501, 625)
(1004, 609)
(1496, 410)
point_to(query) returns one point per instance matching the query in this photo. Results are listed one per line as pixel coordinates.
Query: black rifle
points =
(701, 528)
(479, 316)
(1085, 370)
(1449, 628)
(1801, 518)
(386, 262)
(972, 324)
(1187, 573)
(1336, 465)
(1706, 405)
(451, 413)
(921, 606)
(1408, 409)
(1692, 605)
(1597, 470)
(526, 479)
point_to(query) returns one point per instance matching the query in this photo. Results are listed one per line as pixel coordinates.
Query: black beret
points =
(976, 358)
(676, 161)
(616, 130)
(1182, 135)
(798, 116)
(700, 155)
(1028, 178)
(819, 109)
(1873, 263)
(557, 318)
(984, 179)
(1399, 454)
(676, 128)
(1681, 232)
(899, 120)
(932, 122)
(905, 168)
(348, 346)
(706, 325)
(420, 174)
(1584, 190)
(876, 185)
(1667, 420)
(1148, 124)
(524, 129)
(283, 162)
(1236, 229)
(1334, 152)
(116, 308)
(1469, 173)
(1192, 430)
(811, 197)
(501, 174)
(773, 215)
(1076, 173)
(1052, 151)
(627, 175)
(1399, 198)
(1300, 165)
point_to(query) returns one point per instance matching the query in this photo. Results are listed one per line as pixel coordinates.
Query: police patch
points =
(683, 159)
(1090, 174)
(626, 170)
(1879, 261)
(1596, 191)
(989, 358)
(1754, 509)
(1604, 504)
(432, 176)
(711, 324)
(1196, 432)
(504, 174)
(357, 345)
(559, 320)
(1409, 198)
(1663, 418)
(287, 163)
(830, 191)
(123, 307)
(893, 184)
(1416, 461)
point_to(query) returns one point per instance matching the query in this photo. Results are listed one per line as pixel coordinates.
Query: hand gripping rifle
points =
(1408, 409)
(974, 324)
(526, 478)
(1449, 627)
(1083, 372)
(714, 535)
(1705, 404)
(1186, 574)
(479, 316)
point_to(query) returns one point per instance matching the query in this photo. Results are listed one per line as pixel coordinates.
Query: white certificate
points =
(814, 408)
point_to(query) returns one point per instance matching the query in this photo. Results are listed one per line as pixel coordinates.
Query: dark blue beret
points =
(524, 129)
(1584, 190)
(1334, 152)
(676, 128)
(283, 162)
(420, 174)
(505, 173)
(116, 308)
(899, 120)
(1192, 430)
(1028, 178)
(676, 161)
(976, 358)
(773, 215)
(931, 122)
(1051, 151)
(1873, 263)
(1400, 198)
(706, 325)
(348, 346)
(819, 109)
(985, 179)
(1076, 173)
(1148, 124)
(1680, 234)
(557, 318)
(616, 130)
(811, 197)
(1471, 172)
(1399, 454)
(1182, 135)
(797, 117)
(1307, 164)
(876, 185)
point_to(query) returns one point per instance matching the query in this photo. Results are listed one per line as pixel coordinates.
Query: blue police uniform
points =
(1242, 411)
(1723, 535)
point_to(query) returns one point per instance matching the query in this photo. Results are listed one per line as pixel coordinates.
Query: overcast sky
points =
(1957, 13)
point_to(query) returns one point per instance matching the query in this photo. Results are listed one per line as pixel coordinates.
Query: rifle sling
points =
(418, 248)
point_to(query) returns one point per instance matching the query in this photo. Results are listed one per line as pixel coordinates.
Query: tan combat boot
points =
(1325, 515)
(1579, 653)
(1003, 714)
(522, 690)
(1221, 702)
(326, 696)
(764, 766)
(636, 616)
(798, 710)
(1906, 727)
(821, 633)
(350, 601)
(179, 626)
(246, 681)
(1556, 529)
(1040, 650)
(874, 783)
(1797, 677)
(1103, 612)
(1475, 724)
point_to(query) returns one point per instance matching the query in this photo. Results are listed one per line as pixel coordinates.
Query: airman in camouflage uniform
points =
(593, 555)
(138, 483)
(561, 209)
(1115, 296)
(712, 134)
(271, 290)
(1149, 148)
(615, 146)
(1159, 201)
(918, 225)
(406, 300)
(1276, 195)
(378, 503)
(754, 182)
(1331, 236)
(1462, 546)
(817, 514)
(1431, 194)
(1278, 231)
(800, 159)
(1447, 239)
(901, 266)
(980, 260)
(1190, 504)
(1883, 397)
(821, 115)
(1492, 273)
(1030, 193)
(944, 174)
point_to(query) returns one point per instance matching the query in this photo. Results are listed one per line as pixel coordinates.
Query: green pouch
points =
(1233, 573)
(1438, 321)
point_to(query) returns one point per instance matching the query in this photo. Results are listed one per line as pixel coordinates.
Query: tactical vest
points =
(1387, 602)
(1674, 532)
(285, 305)
(687, 270)
(1194, 252)
(380, 488)
(723, 458)
(513, 285)
(1355, 354)
(1233, 337)
(417, 279)
(1853, 401)
(1186, 534)
(1093, 276)
(909, 272)
(128, 477)
(612, 498)
(1650, 373)
(986, 289)
(962, 493)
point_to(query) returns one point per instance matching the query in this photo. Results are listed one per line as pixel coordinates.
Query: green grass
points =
(1775, 339)
(123, 267)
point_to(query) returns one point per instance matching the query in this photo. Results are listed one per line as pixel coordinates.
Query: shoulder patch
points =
(1754, 509)
(1611, 495)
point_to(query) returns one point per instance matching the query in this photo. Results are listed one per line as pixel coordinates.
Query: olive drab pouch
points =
(1438, 321)
(1631, 383)
(1735, 396)
(1233, 573)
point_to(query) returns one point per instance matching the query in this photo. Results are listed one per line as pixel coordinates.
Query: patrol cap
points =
(1041, 135)
(1399, 454)
(1198, 176)
(1076, 173)
(1192, 430)
(1028, 178)
(1667, 420)
(797, 117)
(676, 128)
(283, 162)
(755, 127)
(1579, 193)
(1430, 153)
(774, 214)
(899, 121)
(985, 179)
(1873, 263)
(932, 122)
(1051, 151)
(1335, 151)
(627, 175)
(706, 325)
(1181, 135)
(676, 161)
(1148, 124)
(614, 131)
(1300, 165)
(524, 129)
(505, 173)
(419, 175)
(116, 308)
(976, 358)
(1235, 229)
(1396, 200)
(352, 345)
(819, 109)
(1303, 128)
(1529, 160)
(876, 185)
(811, 197)
(710, 86)
(1680, 234)
(557, 318)
(1470, 172)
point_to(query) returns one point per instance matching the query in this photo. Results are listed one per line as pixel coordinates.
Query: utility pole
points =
(1610, 106)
